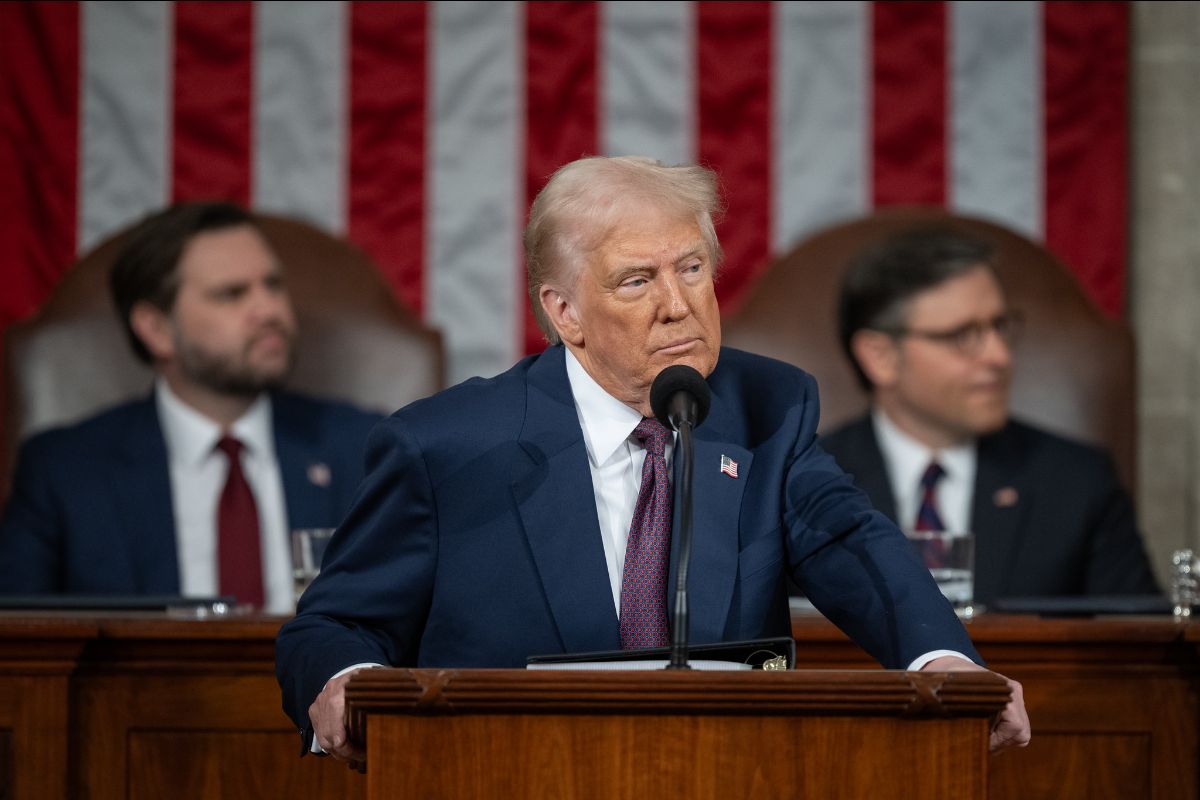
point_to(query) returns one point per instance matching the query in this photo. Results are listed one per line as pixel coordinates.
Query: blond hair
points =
(586, 199)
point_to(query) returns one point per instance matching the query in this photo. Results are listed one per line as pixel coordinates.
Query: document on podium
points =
(657, 663)
(766, 654)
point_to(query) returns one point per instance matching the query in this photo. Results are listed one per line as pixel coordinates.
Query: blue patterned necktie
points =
(647, 555)
(928, 518)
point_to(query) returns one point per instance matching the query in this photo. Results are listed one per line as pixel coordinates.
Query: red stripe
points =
(386, 192)
(213, 85)
(733, 45)
(39, 146)
(909, 158)
(1086, 113)
(39, 167)
(560, 122)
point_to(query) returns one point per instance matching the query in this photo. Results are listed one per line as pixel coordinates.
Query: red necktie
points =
(239, 561)
(647, 555)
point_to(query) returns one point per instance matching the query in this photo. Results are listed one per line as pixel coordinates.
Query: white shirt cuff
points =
(316, 748)
(921, 661)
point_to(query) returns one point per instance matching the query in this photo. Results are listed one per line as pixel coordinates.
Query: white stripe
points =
(648, 82)
(476, 202)
(300, 111)
(996, 102)
(821, 130)
(124, 169)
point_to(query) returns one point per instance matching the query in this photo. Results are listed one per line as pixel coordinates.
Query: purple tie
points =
(647, 555)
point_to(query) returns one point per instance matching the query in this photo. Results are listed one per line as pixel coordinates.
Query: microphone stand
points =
(679, 627)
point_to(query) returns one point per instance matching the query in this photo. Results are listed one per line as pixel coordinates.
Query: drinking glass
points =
(950, 557)
(308, 549)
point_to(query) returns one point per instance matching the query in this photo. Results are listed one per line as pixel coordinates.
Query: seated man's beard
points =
(226, 375)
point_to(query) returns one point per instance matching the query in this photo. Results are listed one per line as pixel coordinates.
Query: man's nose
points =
(673, 303)
(269, 303)
(996, 350)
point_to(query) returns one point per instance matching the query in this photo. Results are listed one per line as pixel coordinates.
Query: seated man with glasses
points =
(925, 323)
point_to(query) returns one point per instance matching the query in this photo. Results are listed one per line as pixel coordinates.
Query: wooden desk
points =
(155, 708)
(133, 707)
(1112, 701)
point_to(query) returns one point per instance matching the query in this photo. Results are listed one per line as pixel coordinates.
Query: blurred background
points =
(421, 131)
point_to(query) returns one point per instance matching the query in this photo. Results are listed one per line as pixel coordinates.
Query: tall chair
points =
(356, 343)
(1074, 366)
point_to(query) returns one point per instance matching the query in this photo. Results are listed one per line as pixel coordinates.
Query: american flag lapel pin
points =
(728, 466)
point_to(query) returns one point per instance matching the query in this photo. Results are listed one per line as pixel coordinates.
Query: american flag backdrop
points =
(421, 131)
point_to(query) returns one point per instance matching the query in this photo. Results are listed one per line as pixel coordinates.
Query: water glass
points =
(950, 557)
(308, 549)
(1184, 588)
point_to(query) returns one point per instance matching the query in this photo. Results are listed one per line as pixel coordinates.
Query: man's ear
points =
(560, 310)
(878, 355)
(153, 326)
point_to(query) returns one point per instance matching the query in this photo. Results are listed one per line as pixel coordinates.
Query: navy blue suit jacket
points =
(1049, 515)
(475, 542)
(90, 509)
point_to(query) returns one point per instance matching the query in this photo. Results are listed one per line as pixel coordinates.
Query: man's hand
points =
(327, 714)
(1011, 726)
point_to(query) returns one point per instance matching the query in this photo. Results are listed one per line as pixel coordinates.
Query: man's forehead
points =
(965, 297)
(225, 255)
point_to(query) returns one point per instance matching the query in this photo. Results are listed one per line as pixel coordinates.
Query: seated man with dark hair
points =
(191, 490)
(925, 323)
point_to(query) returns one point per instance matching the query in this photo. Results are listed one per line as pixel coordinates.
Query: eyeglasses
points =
(969, 339)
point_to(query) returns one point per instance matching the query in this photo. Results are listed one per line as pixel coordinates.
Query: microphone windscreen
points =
(679, 378)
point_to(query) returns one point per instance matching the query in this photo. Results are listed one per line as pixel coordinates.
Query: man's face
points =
(938, 391)
(232, 323)
(643, 301)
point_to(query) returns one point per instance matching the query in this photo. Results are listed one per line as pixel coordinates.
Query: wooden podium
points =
(573, 734)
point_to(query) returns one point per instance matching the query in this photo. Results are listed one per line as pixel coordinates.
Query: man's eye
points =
(634, 283)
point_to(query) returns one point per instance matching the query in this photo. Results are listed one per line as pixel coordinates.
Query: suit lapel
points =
(998, 508)
(717, 503)
(558, 512)
(309, 501)
(867, 466)
(141, 485)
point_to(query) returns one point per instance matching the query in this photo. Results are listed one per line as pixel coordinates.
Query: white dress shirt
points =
(198, 473)
(615, 459)
(906, 460)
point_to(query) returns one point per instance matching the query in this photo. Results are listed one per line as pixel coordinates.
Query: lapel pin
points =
(728, 466)
(1005, 497)
(319, 474)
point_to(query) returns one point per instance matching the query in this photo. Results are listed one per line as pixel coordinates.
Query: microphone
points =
(678, 395)
(679, 398)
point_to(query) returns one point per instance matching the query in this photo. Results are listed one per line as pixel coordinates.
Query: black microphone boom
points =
(680, 398)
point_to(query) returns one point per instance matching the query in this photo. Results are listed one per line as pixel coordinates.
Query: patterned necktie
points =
(239, 560)
(928, 519)
(647, 555)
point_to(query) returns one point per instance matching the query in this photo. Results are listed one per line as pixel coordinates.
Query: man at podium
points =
(532, 512)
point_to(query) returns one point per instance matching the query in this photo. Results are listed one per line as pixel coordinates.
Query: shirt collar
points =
(607, 422)
(906, 458)
(191, 437)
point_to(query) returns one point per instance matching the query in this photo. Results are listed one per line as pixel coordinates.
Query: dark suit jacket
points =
(475, 542)
(90, 510)
(1065, 528)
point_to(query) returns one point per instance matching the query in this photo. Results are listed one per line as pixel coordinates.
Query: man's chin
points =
(701, 359)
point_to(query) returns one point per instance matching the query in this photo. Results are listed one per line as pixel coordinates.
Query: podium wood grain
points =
(108, 706)
(583, 735)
